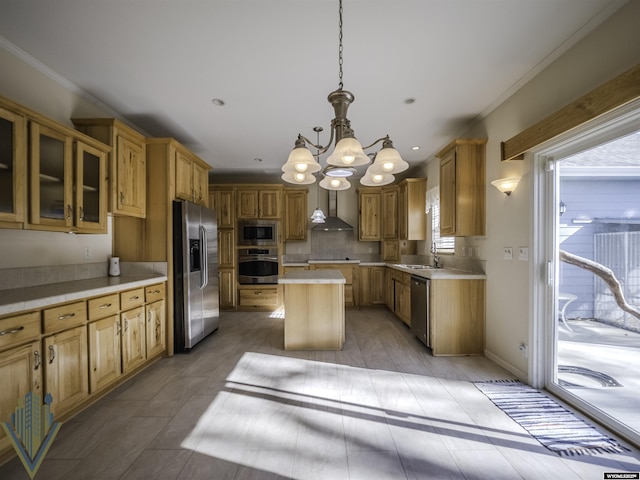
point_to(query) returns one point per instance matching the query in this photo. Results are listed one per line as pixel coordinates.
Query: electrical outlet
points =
(523, 349)
(523, 253)
(87, 253)
(508, 253)
(463, 251)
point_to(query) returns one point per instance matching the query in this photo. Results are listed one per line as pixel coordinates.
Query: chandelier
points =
(348, 152)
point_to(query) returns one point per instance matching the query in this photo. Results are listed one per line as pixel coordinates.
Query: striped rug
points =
(550, 423)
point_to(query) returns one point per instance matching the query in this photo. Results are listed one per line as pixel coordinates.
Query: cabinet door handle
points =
(121, 197)
(126, 324)
(52, 354)
(36, 355)
(134, 298)
(155, 292)
(81, 213)
(118, 328)
(13, 330)
(106, 305)
(68, 315)
(149, 317)
(69, 212)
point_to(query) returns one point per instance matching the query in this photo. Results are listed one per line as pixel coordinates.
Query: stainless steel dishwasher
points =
(420, 308)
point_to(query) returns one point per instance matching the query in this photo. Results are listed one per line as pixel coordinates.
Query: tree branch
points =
(605, 274)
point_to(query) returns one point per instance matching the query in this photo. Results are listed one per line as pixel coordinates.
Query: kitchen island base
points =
(314, 310)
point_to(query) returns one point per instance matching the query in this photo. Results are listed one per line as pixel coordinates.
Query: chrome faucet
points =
(436, 258)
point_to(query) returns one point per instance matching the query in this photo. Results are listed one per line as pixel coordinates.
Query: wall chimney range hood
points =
(332, 223)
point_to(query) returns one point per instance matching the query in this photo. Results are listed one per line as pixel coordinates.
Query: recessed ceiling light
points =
(415, 148)
(409, 101)
(217, 102)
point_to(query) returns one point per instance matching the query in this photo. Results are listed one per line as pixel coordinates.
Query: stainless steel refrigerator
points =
(195, 274)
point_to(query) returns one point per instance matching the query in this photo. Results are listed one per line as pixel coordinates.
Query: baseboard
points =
(522, 376)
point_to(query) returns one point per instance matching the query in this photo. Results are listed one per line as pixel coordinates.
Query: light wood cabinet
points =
(399, 294)
(457, 316)
(251, 297)
(226, 248)
(20, 373)
(371, 285)
(191, 175)
(227, 288)
(350, 273)
(66, 368)
(389, 213)
(105, 357)
(133, 338)
(68, 192)
(412, 218)
(155, 328)
(127, 163)
(258, 202)
(369, 215)
(222, 200)
(295, 214)
(13, 168)
(462, 188)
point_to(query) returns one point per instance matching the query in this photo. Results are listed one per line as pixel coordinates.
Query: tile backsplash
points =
(33, 276)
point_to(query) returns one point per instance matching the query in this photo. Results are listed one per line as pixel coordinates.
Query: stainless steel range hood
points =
(332, 223)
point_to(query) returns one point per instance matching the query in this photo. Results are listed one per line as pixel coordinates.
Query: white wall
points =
(26, 85)
(611, 49)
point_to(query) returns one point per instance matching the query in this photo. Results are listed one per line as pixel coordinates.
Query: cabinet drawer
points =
(154, 292)
(258, 298)
(131, 298)
(104, 306)
(19, 328)
(66, 316)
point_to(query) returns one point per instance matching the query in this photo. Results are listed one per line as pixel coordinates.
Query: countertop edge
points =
(42, 296)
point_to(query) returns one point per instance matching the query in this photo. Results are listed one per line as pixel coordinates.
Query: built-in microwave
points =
(257, 232)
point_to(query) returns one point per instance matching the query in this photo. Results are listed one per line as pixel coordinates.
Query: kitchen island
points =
(313, 309)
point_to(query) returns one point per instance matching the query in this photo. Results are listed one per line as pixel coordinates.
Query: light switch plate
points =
(508, 253)
(523, 253)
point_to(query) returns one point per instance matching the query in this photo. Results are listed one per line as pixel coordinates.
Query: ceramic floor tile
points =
(158, 465)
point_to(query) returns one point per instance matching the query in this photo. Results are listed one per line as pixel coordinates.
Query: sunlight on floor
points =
(275, 408)
(277, 313)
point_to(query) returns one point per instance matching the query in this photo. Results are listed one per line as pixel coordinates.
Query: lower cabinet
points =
(258, 297)
(350, 273)
(155, 334)
(66, 368)
(133, 338)
(371, 285)
(20, 373)
(399, 294)
(104, 352)
(227, 288)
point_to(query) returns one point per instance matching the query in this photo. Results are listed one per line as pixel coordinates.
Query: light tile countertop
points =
(42, 296)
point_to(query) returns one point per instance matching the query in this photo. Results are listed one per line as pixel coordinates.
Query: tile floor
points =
(239, 407)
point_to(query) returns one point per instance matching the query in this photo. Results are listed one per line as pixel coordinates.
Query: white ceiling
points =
(159, 63)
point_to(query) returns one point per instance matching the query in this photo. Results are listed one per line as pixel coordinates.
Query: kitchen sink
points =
(416, 267)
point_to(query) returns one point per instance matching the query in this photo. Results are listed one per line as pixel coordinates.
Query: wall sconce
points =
(562, 207)
(506, 185)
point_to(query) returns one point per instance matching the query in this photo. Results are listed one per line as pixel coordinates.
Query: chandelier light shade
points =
(376, 179)
(388, 160)
(298, 178)
(335, 183)
(348, 152)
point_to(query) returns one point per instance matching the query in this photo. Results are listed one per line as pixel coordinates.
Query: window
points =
(443, 244)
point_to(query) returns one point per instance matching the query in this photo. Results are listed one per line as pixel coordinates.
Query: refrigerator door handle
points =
(204, 269)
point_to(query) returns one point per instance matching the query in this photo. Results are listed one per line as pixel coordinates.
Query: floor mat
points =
(547, 421)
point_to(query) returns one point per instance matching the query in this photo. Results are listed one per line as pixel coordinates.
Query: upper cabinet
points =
(295, 214)
(412, 219)
(462, 188)
(222, 201)
(13, 167)
(192, 182)
(68, 183)
(258, 202)
(127, 163)
(369, 215)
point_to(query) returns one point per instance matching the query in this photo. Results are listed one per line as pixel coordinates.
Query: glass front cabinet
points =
(68, 182)
(13, 168)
